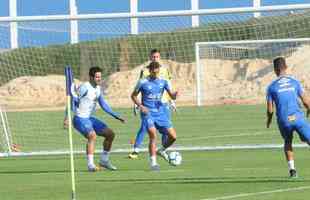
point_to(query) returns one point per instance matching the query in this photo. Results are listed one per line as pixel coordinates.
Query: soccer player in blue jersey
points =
(89, 93)
(153, 113)
(167, 102)
(284, 93)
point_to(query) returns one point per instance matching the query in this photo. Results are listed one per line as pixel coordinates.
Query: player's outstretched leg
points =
(171, 133)
(107, 144)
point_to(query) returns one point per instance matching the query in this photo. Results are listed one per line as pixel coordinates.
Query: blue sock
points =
(140, 136)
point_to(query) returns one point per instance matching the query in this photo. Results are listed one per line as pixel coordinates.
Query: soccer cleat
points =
(108, 165)
(93, 168)
(155, 167)
(163, 154)
(133, 155)
(293, 173)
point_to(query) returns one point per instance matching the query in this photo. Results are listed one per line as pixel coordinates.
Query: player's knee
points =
(172, 138)
(110, 135)
(91, 136)
(172, 135)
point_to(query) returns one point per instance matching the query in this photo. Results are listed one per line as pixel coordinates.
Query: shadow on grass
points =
(207, 180)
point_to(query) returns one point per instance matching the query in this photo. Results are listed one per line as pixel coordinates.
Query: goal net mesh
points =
(32, 84)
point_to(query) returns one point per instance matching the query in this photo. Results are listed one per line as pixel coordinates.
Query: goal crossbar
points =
(224, 44)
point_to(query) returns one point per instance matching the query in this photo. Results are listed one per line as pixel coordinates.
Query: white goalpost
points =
(246, 59)
(223, 59)
(6, 136)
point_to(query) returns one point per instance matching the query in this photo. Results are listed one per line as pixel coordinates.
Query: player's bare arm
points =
(173, 95)
(306, 103)
(134, 98)
(269, 113)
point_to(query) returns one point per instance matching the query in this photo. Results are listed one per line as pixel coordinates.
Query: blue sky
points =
(43, 7)
(52, 7)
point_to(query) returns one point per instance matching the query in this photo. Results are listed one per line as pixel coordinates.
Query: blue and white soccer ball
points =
(175, 158)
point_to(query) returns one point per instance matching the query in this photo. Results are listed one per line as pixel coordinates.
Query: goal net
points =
(230, 86)
(238, 72)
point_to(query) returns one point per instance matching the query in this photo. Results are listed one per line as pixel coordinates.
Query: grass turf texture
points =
(251, 174)
(203, 175)
(205, 126)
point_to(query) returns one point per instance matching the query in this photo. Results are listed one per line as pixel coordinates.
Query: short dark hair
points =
(154, 51)
(154, 65)
(279, 63)
(94, 70)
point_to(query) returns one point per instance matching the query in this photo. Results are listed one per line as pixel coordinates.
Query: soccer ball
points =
(175, 158)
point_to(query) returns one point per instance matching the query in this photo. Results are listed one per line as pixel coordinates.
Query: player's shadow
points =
(207, 180)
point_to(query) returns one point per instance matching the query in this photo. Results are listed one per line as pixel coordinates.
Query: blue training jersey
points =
(152, 91)
(285, 92)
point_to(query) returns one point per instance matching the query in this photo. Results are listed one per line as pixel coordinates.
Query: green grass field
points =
(255, 174)
(205, 126)
(203, 175)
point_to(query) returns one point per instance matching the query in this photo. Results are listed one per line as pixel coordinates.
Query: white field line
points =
(179, 148)
(194, 148)
(224, 136)
(259, 193)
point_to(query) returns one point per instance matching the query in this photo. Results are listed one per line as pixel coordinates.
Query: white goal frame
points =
(199, 67)
(3, 117)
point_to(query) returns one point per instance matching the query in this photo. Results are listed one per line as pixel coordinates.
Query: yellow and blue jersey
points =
(163, 74)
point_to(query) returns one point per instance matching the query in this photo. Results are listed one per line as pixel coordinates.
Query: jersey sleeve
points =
(106, 108)
(139, 85)
(166, 76)
(144, 73)
(299, 88)
(82, 91)
(268, 94)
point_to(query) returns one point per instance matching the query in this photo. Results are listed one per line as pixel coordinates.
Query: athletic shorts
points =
(300, 125)
(167, 110)
(160, 122)
(86, 125)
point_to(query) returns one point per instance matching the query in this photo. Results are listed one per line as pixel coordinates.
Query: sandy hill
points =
(223, 81)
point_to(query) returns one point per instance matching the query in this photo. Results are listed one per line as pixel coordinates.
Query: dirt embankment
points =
(222, 81)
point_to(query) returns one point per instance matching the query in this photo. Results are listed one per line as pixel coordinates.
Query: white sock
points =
(153, 160)
(90, 160)
(136, 149)
(105, 156)
(291, 164)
